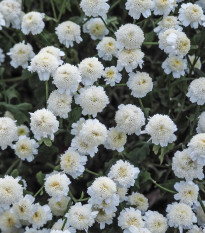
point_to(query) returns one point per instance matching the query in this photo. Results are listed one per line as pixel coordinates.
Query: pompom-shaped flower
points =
(130, 217)
(161, 129)
(68, 32)
(93, 132)
(138, 7)
(199, 213)
(96, 28)
(139, 200)
(175, 65)
(92, 100)
(187, 192)
(130, 59)
(60, 223)
(129, 119)
(22, 130)
(116, 140)
(163, 7)
(32, 22)
(201, 123)
(73, 163)
(11, 11)
(195, 229)
(196, 91)
(155, 222)
(140, 84)
(77, 126)
(95, 8)
(56, 52)
(25, 148)
(196, 148)
(129, 36)
(107, 48)
(124, 173)
(102, 189)
(180, 216)
(44, 64)
(41, 215)
(91, 70)
(191, 14)
(10, 191)
(2, 56)
(8, 132)
(59, 104)
(56, 185)
(67, 78)
(81, 217)
(184, 167)
(59, 207)
(103, 218)
(25, 208)
(43, 124)
(112, 76)
(9, 222)
(20, 54)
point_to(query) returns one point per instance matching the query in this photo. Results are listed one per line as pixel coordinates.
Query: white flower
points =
(130, 217)
(9, 222)
(130, 59)
(22, 130)
(2, 21)
(43, 124)
(56, 52)
(175, 65)
(168, 22)
(129, 36)
(96, 28)
(102, 189)
(77, 126)
(196, 91)
(112, 76)
(199, 213)
(174, 42)
(155, 222)
(56, 185)
(59, 104)
(24, 209)
(115, 140)
(122, 192)
(32, 22)
(44, 64)
(140, 83)
(124, 173)
(8, 132)
(94, 8)
(58, 225)
(11, 11)
(107, 48)
(139, 200)
(92, 100)
(80, 144)
(10, 191)
(196, 148)
(184, 167)
(196, 229)
(67, 78)
(41, 215)
(103, 218)
(161, 129)
(81, 216)
(26, 148)
(59, 231)
(187, 192)
(59, 207)
(68, 32)
(191, 14)
(91, 70)
(180, 216)
(129, 119)
(138, 7)
(2, 56)
(163, 7)
(72, 163)
(20, 54)
(201, 123)
(93, 132)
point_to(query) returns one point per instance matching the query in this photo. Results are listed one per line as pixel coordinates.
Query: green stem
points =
(61, 10)
(12, 167)
(72, 197)
(110, 30)
(114, 5)
(65, 219)
(91, 172)
(150, 43)
(142, 106)
(120, 85)
(201, 203)
(46, 83)
(41, 188)
(54, 10)
(8, 36)
(163, 188)
(12, 79)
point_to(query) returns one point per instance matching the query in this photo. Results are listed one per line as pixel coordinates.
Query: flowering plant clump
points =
(102, 116)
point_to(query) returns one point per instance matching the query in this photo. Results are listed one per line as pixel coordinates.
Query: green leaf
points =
(15, 173)
(164, 151)
(57, 168)
(156, 149)
(139, 153)
(47, 142)
(40, 177)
